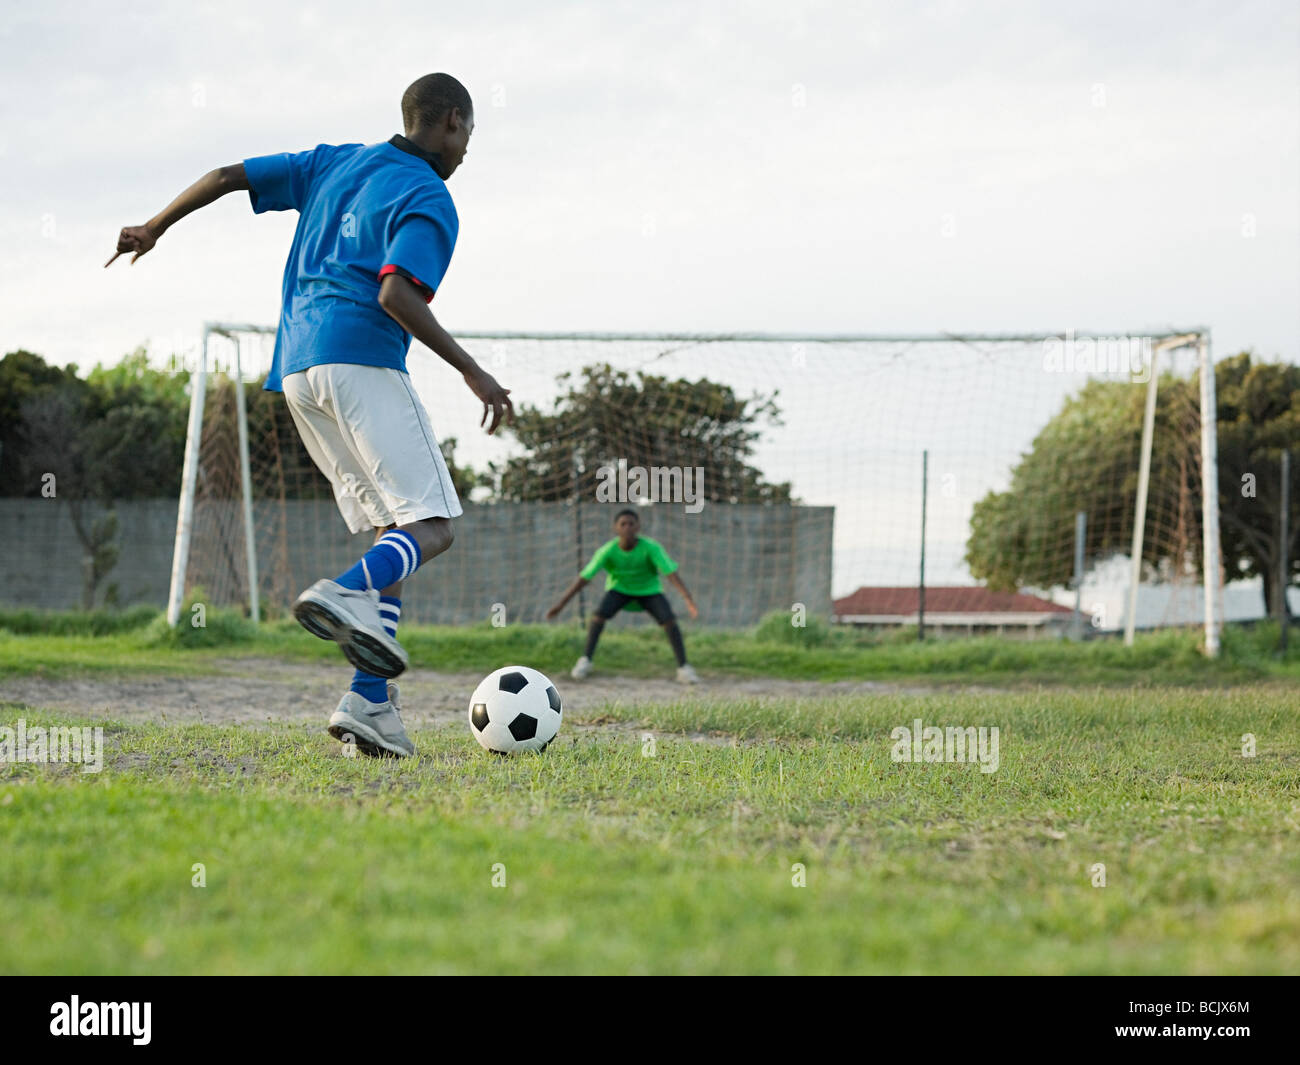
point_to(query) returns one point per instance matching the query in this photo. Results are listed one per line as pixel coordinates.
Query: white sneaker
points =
(376, 728)
(686, 675)
(581, 668)
(351, 619)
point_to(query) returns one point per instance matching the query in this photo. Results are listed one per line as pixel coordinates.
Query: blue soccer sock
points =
(367, 685)
(394, 557)
(390, 613)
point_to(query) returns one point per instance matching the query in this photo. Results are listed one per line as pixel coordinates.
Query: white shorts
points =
(367, 431)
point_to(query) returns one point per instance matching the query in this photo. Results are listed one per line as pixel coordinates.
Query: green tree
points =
(137, 423)
(646, 420)
(23, 374)
(1083, 459)
(1086, 458)
(62, 453)
(1259, 416)
(119, 434)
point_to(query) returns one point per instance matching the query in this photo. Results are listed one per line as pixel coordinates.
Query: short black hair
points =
(429, 98)
(630, 511)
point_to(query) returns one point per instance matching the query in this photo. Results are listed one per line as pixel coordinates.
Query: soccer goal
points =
(877, 480)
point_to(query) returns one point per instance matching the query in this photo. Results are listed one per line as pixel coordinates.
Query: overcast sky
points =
(681, 166)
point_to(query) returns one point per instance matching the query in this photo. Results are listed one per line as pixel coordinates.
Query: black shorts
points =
(655, 605)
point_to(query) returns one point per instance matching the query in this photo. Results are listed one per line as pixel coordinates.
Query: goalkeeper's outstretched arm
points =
(573, 589)
(676, 582)
(211, 186)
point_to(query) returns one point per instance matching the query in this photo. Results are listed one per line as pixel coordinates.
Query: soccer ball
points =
(513, 710)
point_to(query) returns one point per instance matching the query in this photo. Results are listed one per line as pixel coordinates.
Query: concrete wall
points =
(740, 561)
(41, 559)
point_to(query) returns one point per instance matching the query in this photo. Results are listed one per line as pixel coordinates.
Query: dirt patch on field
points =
(255, 691)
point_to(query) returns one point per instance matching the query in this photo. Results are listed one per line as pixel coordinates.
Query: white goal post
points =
(190, 470)
(1199, 339)
(1158, 344)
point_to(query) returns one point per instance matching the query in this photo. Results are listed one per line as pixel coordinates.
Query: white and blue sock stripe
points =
(394, 557)
(406, 547)
(390, 613)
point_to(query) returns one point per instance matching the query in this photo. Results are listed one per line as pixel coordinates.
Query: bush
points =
(221, 626)
(30, 622)
(1261, 643)
(778, 627)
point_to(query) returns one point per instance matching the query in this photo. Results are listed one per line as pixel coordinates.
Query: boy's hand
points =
(553, 613)
(494, 397)
(138, 239)
(693, 610)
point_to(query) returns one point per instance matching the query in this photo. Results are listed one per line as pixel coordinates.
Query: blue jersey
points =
(366, 210)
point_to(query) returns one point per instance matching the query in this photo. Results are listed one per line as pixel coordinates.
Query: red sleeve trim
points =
(384, 271)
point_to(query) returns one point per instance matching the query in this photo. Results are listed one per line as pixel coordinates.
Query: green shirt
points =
(634, 572)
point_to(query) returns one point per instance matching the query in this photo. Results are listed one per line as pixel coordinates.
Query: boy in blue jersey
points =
(375, 235)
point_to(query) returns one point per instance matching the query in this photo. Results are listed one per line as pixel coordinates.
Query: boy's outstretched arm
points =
(676, 582)
(569, 593)
(211, 186)
(402, 302)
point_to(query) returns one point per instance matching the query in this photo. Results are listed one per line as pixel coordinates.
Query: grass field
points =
(74, 643)
(616, 853)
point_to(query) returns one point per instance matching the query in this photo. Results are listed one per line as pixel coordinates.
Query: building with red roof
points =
(971, 610)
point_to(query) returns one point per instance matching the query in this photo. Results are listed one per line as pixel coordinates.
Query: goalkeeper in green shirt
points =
(634, 564)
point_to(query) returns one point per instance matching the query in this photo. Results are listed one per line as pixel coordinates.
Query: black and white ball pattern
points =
(513, 710)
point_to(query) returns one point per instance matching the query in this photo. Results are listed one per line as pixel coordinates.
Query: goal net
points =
(823, 476)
